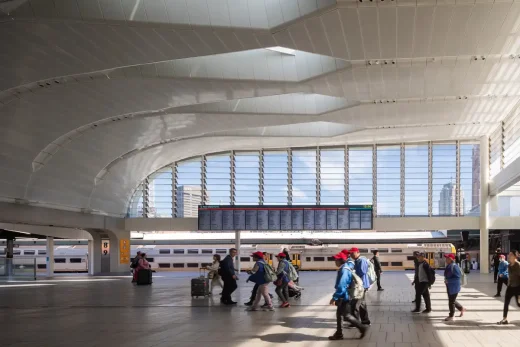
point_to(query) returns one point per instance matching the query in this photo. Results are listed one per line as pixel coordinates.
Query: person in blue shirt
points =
(361, 268)
(452, 275)
(282, 286)
(503, 274)
(258, 277)
(340, 298)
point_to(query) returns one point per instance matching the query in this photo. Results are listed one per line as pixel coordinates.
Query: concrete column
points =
(119, 261)
(484, 204)
(9, 265)
(94, 254)
(50, 256)
(237, 246)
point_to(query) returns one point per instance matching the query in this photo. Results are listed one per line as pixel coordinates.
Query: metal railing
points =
(18, 268)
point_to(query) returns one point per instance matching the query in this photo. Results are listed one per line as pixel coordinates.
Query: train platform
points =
(110, 311)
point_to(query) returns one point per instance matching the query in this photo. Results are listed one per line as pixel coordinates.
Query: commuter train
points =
(74, 257)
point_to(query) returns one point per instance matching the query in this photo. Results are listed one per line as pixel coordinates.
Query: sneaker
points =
(249, 303)
(363, 332)
(251, 309)
(380, 289)
(269, 308)
(497, 295)
(426, 311)
(416, 311)
(266, 305)
(286, 305)
(336, 337)
(462, 312)
(448, 319)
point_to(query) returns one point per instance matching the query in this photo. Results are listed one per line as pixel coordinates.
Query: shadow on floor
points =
(289, 337)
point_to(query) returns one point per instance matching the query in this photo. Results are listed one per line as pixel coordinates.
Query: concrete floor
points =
(83, 311)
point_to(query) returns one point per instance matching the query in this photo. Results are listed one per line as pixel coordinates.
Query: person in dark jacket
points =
(452, 275)
(377, 269)
(422, 284)
(496, 263)
(513, 286)
(416, 268)
(341, 299)
(227, 272)
(287, 256)
(255, 290)
(258, 277)
(134, 263)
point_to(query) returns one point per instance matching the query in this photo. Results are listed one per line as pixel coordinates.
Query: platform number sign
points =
(105, 247)
(124, 251)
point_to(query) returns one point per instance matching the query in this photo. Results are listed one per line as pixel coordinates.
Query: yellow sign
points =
(124, 251)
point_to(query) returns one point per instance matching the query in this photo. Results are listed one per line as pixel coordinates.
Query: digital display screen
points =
(279, 218)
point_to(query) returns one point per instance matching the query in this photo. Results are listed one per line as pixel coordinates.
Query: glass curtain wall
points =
(444, 180)
(276, 177)
(416, 180)
(218, 179)
(389, 180)
(160, 194)
(360, 175)
(136, 208)
(304, 177)
(332, 176)
(188, 188)
(247, 178)
(470, 178)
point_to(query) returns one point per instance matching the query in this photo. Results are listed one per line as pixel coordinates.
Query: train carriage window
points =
(384, 263)
(164, 251)
(397, 263)
(178, 251)
(2, 251)
(29, 252)
(193, 265)
(42, 252)
(150, 260)
(42, 266)
(164, 265)
(178, 265)
(75, 260)
(245, 259)
(221, 251)
(206, 251)
(307, 258)
(383, 250)
(193, 251)
(363, 250)
(17, 252)
(330, 258)
(410, 257)
(319, 258)
(205, 264)
(60, 260)
(397, 250)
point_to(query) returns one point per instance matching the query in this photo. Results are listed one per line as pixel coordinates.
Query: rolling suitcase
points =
(200, 285)
(144, 277)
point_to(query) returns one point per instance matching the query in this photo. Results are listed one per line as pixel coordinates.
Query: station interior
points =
(183, 129)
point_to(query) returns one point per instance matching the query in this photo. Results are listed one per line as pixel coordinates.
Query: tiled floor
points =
(82, 311)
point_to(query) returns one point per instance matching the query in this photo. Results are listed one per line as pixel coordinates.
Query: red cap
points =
(451, 256)
(354, 249)
(281, 255)
(258, 254)
(340, 255)
(346, 252)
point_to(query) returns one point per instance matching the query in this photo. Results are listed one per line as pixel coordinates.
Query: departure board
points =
(279, 218)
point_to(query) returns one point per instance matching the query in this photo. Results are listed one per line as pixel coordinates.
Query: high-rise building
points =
(188, 200)
(448, 200)
(475, 179)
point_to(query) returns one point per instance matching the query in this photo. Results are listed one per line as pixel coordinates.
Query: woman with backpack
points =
(452, 275)
(261, 275)
(282, 283)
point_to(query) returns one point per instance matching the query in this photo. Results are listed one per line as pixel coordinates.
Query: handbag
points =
(463, 279)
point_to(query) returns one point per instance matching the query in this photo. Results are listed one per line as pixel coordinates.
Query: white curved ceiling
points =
(97, 94)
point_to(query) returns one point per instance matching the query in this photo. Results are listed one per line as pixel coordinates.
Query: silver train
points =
(74, 257)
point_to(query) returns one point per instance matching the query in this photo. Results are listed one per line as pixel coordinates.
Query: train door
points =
(430, 258)
(269, 258)
(296, 259)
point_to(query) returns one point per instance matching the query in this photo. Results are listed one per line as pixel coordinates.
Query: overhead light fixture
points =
(282, 50)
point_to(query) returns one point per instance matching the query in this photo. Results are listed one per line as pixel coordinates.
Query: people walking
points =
(258, 276)
(361, 269)
(425, 278)
(452, 275)
(282, 282)
(496, 262)
(513, 286)
(503, 275)
(341, 299)
(213, 275)
(227, 272)
(378, 269)
(416, 271)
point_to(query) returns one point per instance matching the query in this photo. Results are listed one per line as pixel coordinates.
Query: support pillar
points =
(9, 265)
(50, 256)
(237, 246)
(119, 252)
(94, 253)
(484, 204)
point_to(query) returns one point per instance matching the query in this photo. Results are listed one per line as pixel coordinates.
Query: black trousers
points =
(510, 293)
(344, 311)
(378, 276)
(421, 290)
(453, 303)
(359, 309)
(253, 293)
(501, 280)
(230, 285)
(495, 273)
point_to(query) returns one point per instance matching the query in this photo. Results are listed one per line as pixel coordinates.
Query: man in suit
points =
(377, 269)
(227, 272)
